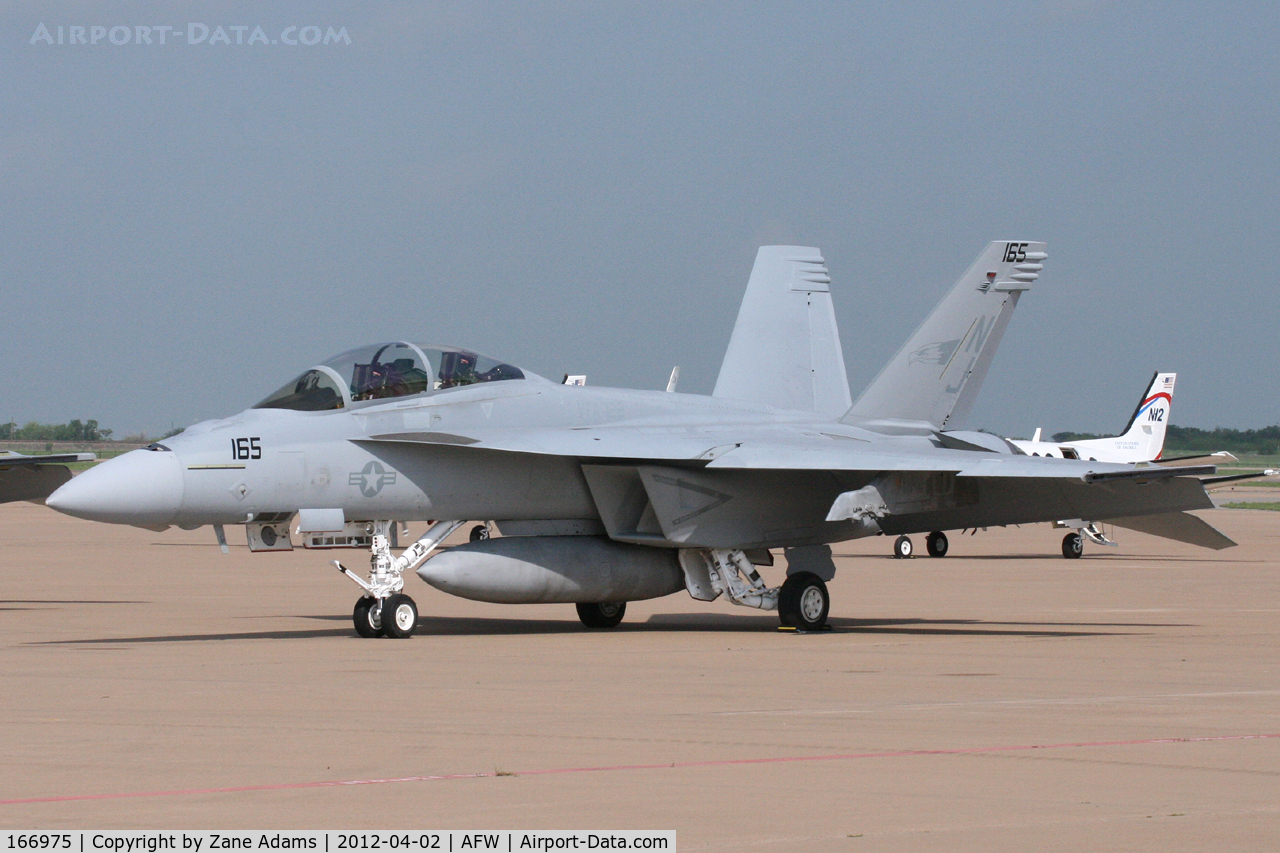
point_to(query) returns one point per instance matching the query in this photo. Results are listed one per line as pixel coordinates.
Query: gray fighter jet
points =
(605, 495)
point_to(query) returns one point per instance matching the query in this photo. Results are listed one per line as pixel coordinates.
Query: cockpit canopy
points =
(382, 371)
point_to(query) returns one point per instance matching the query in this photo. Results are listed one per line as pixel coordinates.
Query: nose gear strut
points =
(384, 609)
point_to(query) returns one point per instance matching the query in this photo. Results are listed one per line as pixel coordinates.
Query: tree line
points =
(73, 431)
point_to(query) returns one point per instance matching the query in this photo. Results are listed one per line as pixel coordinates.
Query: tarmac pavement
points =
(1001, 698)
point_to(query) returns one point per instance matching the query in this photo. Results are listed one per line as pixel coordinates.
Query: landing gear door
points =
(269, 535)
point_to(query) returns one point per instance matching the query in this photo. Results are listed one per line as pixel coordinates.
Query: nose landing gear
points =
(399, 616)
(385, 611)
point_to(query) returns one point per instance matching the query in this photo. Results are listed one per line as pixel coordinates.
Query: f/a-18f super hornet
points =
(606, 495)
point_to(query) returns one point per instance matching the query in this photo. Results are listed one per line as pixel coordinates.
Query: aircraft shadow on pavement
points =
(454, 626)
(1083, 562)
(19, 604)
(845, 625)
(49, 601)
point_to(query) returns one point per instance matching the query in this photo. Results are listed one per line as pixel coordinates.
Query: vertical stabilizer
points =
(1143, 437)
(785, 349)
(936, 375)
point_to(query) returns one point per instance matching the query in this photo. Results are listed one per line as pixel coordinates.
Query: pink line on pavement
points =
(727, 762)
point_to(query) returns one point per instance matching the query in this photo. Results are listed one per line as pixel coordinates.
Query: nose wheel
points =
(394, 616)
(399, 616)
(367, 617)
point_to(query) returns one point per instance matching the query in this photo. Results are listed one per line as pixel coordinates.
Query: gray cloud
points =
(582, 188)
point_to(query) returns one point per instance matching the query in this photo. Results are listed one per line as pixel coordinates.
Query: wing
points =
(781, 485)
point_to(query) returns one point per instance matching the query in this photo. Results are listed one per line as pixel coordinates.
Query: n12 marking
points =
(1154, 414)
(1015, 252)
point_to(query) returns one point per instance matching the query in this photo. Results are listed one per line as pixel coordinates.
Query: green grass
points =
(1271, 505)
(1245, 461)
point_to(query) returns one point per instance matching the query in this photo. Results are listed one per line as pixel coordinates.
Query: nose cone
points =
(142, 487)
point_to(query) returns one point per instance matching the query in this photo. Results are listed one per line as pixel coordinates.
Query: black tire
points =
(902, 548)
(605, 615)
(480, 531)
(803, 602)
(1072, 546)
(936, 544)
(367, 617)
(399, 616)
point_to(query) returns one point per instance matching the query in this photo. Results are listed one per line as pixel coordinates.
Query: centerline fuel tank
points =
(554, 569)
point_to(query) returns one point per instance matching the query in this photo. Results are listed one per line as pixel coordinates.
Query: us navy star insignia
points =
(371, 479)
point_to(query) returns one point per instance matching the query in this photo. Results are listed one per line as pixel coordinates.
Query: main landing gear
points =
(605, 615)
(385, 611)
(935, 543)
(1073, 542)
(802, 601)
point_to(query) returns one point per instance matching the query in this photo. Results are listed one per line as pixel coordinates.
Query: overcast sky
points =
(582, 188)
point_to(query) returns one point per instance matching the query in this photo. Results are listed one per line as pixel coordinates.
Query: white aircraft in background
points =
(1142, 440)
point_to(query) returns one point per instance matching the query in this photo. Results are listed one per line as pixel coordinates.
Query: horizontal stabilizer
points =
(1179, 526)
(785, 349)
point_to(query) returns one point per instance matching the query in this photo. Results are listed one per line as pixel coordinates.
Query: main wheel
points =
(605, 615)
(1072, 546)
(936, 544)
(399, 616)
(803, 602)
(367, 617)
(480, 531)
(902, 547)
